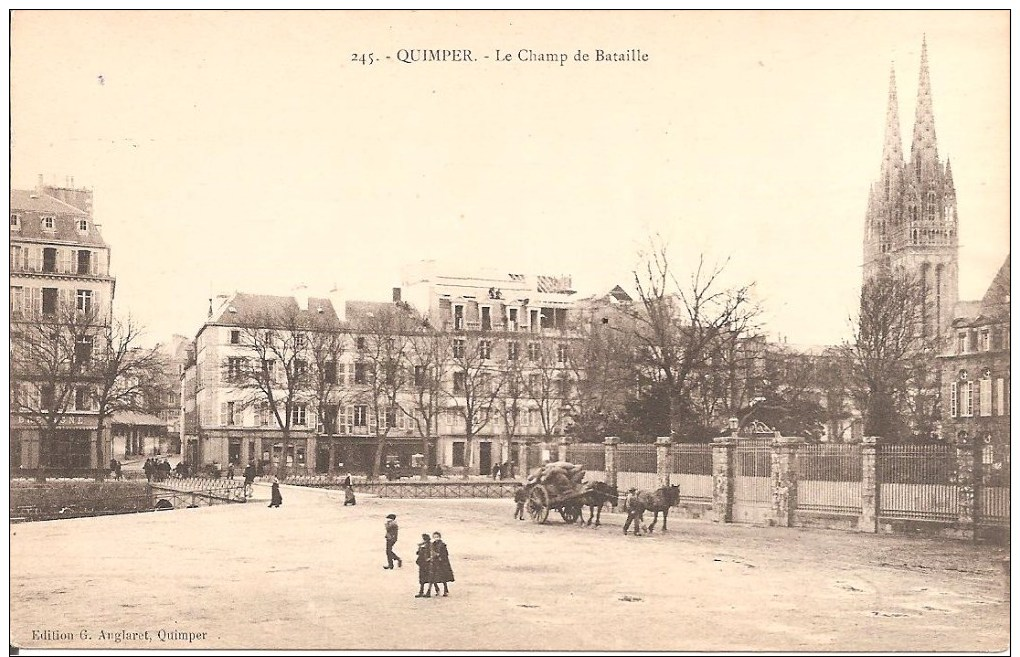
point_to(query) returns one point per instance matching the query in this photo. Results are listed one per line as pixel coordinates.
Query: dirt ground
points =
(309, 576)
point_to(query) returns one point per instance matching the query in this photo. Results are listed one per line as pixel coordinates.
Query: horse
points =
(659, 500)
(595, 497)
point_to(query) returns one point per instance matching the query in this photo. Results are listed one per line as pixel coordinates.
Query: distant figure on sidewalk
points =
(147, 468)
(349, 499)
(391, 539)
(424, 561)
(230, 471)
(277, 499)
(520, 497)
(249, 479)
(442, 572)
(496, 470)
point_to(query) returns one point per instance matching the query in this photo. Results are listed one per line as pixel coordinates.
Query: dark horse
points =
(659, 500)
(598, 493)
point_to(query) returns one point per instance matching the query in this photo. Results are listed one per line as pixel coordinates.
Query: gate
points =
(752, 481)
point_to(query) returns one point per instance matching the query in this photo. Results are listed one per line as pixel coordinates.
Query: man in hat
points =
(391, 540)
(635, 511)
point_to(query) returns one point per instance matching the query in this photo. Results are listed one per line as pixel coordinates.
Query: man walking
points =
(635, 511)
(520, 497)
(391, 540)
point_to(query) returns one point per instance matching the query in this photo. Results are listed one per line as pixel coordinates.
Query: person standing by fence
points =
(520, 497)
(249, 479)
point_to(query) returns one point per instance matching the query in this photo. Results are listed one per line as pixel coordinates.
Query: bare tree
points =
(679, 325)
(547, 383)
(127, 375)
(513, 400)
(327, 343)
(476, 387)
(603, 373)
(271, 371)
(428, 359)
(890, 359)
(50, 370)
(384, 336)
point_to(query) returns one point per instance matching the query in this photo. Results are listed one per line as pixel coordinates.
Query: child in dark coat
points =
(442, 572)
(424, 562)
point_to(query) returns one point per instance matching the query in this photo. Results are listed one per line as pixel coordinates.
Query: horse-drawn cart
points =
(556, 487)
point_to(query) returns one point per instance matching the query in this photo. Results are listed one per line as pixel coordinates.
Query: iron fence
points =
(917, 482)
(636, 467)
(591, 457)
(691, 470)
(829, 478)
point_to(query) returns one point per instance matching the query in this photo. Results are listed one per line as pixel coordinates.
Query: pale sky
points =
(246, 151)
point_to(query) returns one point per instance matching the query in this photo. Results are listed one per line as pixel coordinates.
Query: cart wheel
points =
(538, 504)
(571, 513)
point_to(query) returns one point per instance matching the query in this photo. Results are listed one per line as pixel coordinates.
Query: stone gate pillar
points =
(562, 454)
(868, 522)
(522, 458)
(612, 444)
(784, 479)
(967, 481)
(662, 460)
(722, 479)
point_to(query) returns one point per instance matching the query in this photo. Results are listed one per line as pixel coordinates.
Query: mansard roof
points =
(65, 224)
(244, 308)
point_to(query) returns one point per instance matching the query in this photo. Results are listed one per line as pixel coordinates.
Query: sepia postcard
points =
(509, 330)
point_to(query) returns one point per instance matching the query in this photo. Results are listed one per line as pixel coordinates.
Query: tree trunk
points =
(426, 439)
(380, 449)
(100, 456)
(331, 468)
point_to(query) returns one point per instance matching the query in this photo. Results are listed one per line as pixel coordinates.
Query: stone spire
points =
(892, 149)
(924, 154)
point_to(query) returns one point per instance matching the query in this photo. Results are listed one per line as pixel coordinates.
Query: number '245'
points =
(363, 58)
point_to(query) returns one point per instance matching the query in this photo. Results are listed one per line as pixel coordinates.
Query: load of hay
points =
(560, 478)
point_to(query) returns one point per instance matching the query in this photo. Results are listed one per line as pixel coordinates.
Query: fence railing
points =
(206, 488)
(829, 478)
(691, 470)
(917, 482)
(636, 467)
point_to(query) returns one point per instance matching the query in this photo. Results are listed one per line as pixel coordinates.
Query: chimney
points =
(301, 296)
(336, 297)
(396, 294)
(39, 185)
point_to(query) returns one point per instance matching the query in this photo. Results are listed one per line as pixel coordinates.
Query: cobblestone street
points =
(309, 576)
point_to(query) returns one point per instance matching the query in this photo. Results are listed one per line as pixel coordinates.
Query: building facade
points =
(492, 330)
(60, 283)
(911, 224)
(976, 378)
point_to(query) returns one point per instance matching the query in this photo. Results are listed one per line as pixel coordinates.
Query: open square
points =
(309, 576)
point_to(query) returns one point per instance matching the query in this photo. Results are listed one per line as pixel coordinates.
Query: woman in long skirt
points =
(277, 497)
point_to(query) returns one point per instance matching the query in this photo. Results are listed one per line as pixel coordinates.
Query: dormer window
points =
(15, 222)
(83, 225)
(48, 223)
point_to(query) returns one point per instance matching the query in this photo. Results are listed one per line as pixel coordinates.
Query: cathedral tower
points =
(911, 222)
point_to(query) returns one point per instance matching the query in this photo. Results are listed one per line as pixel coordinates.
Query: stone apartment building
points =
(976, 377)
(59, 263)
(503, 319)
